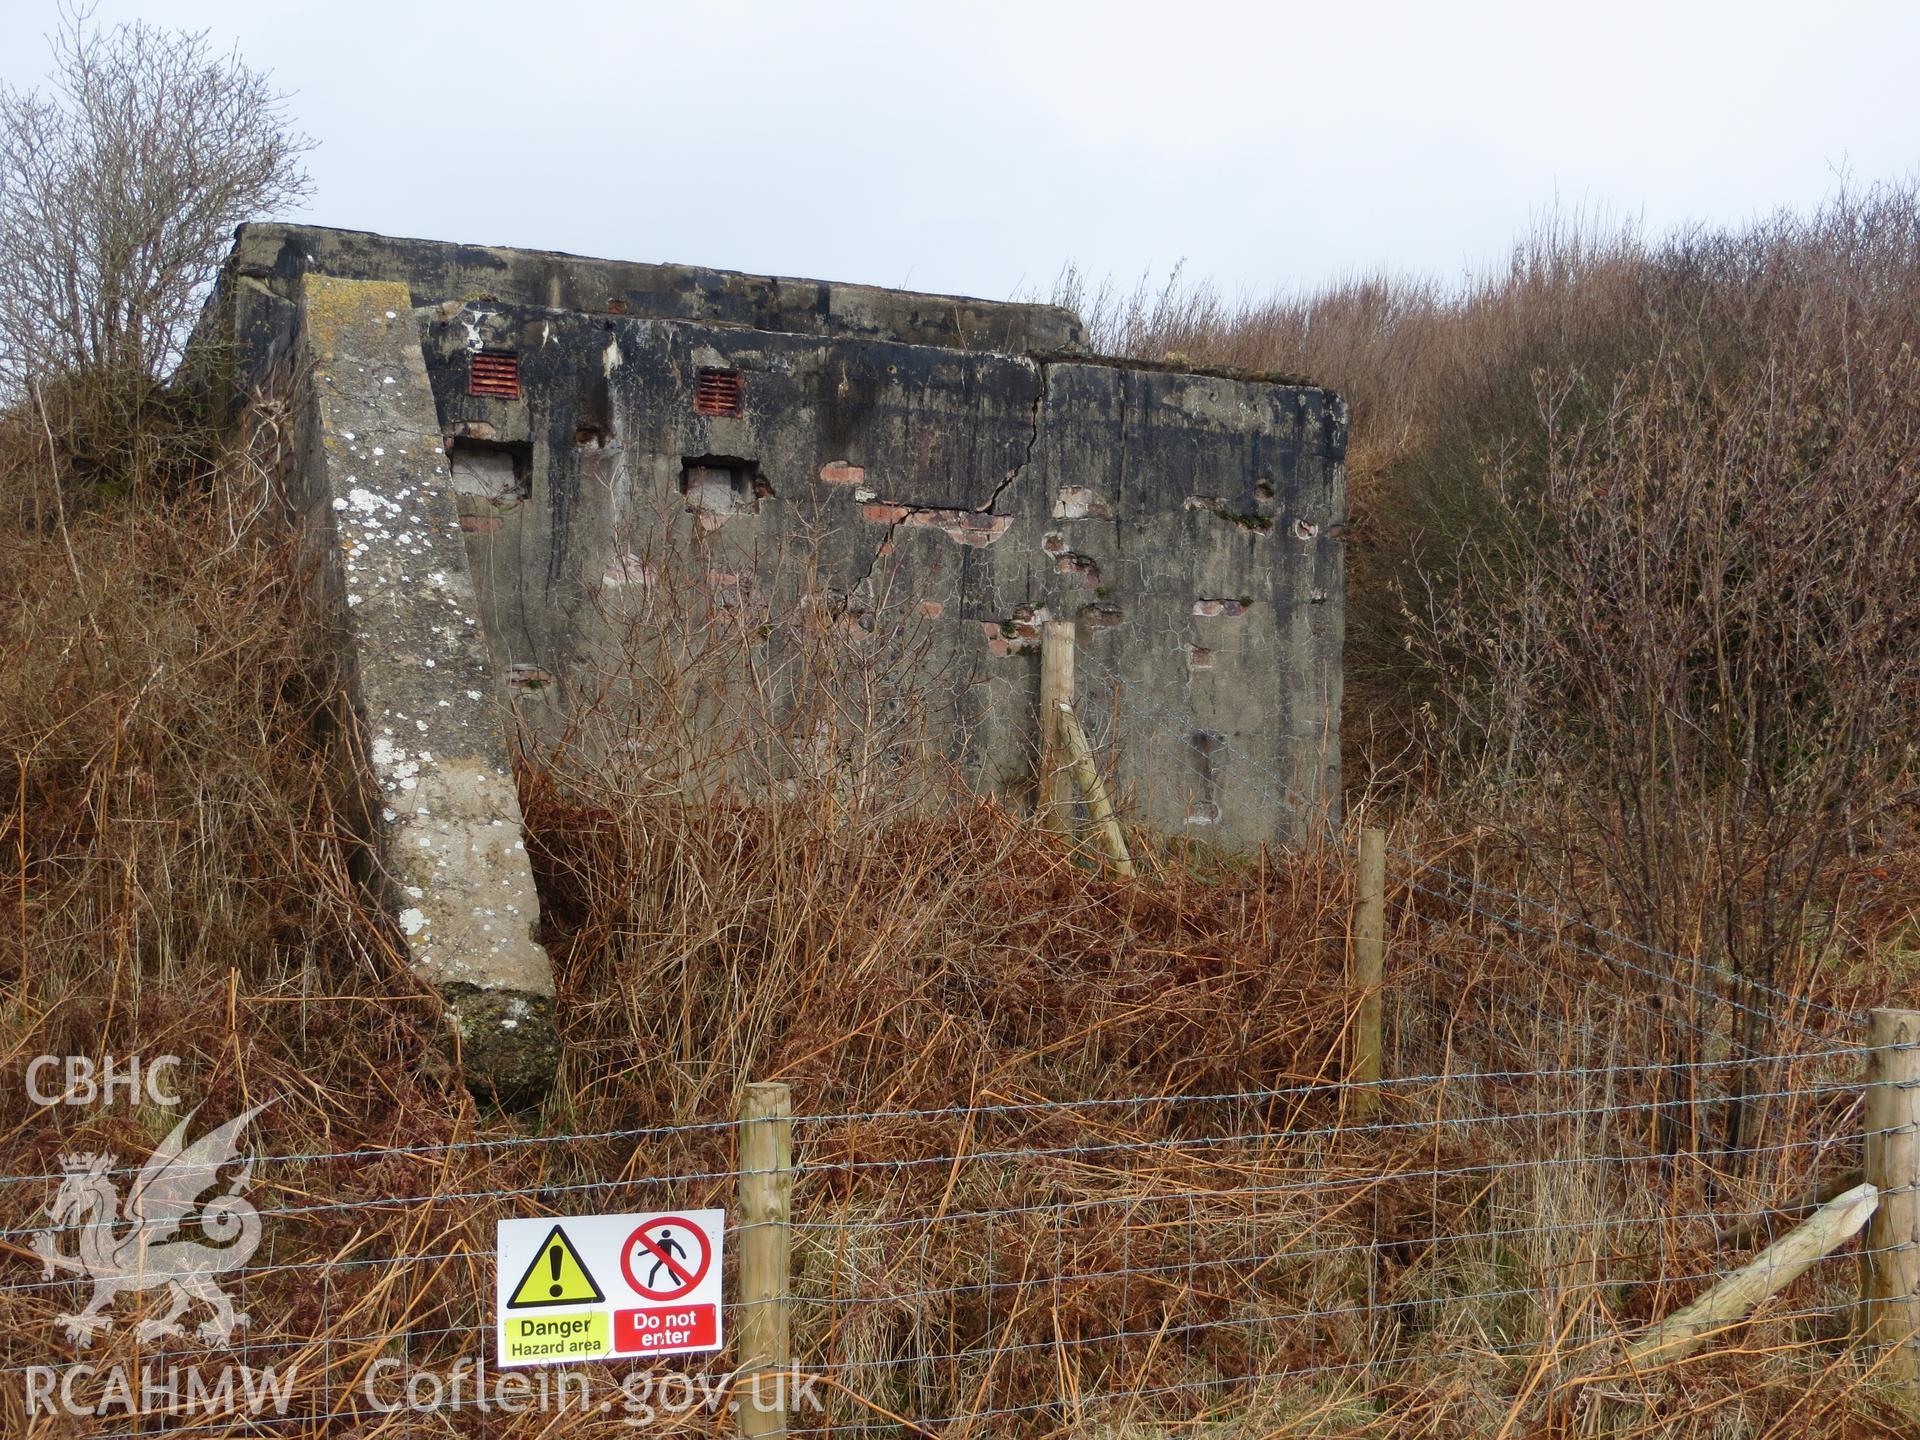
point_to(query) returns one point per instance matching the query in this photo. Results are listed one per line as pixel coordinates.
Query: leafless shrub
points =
(120, 184)
(1680, 648)
(1631, 555)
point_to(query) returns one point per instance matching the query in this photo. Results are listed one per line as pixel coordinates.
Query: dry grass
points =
(753, 868)
(171, 832)
(881, 948)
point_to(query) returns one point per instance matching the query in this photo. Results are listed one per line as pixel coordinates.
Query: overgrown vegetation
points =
(1633, 613)
(758, 889)
(1633, 591)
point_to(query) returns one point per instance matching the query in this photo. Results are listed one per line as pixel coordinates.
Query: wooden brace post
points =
(1772, 1270)
(1093, 789)
(1056, 689)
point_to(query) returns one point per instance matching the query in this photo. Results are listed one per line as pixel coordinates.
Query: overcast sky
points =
(975, 148)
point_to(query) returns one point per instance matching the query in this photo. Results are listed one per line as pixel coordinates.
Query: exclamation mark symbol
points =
(553, 1269)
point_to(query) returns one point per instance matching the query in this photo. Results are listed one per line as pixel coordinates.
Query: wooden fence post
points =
(1890, 1160)
(1369, 965)
(1056, 688)
(766, 1208)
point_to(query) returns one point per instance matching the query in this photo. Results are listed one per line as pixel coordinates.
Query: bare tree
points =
(120, 186)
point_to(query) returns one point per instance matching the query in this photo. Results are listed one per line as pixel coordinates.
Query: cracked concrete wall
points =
(1190, 523)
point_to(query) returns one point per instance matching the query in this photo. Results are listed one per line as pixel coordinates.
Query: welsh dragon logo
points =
(143, 1248)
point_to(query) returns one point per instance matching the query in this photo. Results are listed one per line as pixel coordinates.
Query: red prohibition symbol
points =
(655, 1248)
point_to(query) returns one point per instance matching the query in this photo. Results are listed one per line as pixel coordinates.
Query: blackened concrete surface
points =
(965, 455)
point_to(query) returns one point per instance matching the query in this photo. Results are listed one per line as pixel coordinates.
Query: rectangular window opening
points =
(722, 484)
(485, 470)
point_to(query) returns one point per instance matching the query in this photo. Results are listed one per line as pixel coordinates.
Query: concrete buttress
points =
(442, 811)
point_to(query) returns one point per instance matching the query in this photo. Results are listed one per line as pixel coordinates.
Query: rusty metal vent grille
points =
(494, 372)
(717, 392)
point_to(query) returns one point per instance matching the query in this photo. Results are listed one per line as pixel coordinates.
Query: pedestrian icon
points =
(556, 1276)
(667, 1249)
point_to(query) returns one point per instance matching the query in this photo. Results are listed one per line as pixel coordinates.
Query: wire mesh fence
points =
(1010, 1265)
(1576, 1136)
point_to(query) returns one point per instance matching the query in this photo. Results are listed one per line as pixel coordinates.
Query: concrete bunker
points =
(482, 426)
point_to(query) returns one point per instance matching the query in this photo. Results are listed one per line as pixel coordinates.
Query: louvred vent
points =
(494, 372)
(717, 392)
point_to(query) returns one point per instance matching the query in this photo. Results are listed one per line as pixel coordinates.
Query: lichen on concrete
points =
(452, 864)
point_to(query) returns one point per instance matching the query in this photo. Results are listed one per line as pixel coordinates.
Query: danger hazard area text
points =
(608, 1287)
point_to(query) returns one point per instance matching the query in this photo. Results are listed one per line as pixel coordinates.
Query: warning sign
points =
(605, 1287)
(557, 1276)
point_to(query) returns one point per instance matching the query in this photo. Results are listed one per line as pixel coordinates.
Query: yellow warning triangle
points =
(557, 1276)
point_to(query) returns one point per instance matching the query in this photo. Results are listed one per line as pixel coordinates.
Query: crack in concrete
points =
(884, 546)
(885, 543)
(1033, 439)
